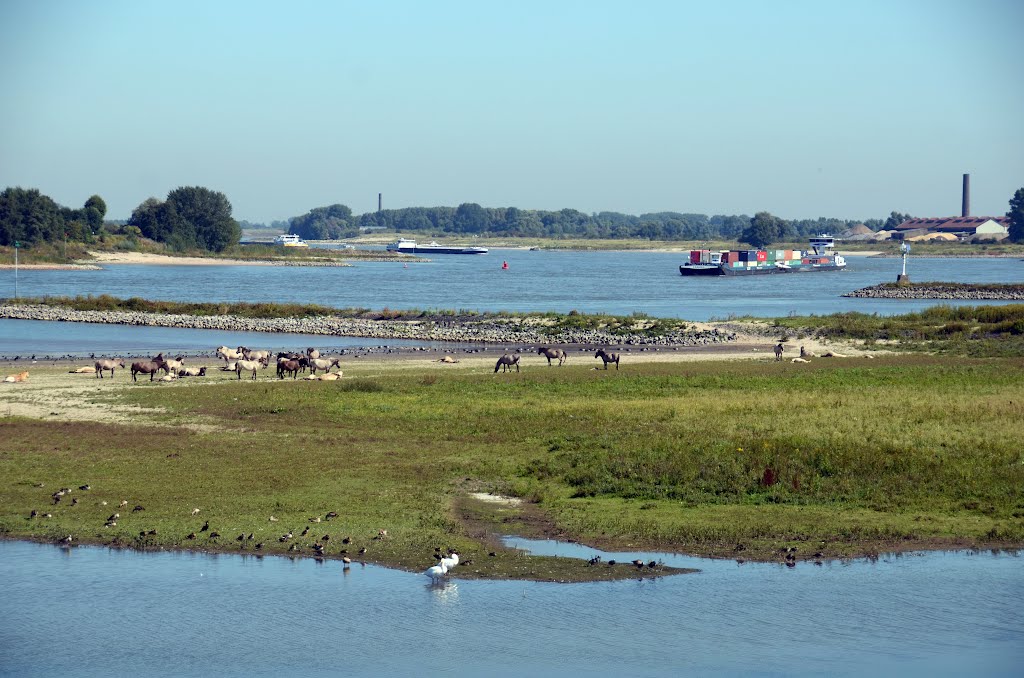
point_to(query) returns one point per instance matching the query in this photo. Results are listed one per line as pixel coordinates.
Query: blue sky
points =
(804, 109)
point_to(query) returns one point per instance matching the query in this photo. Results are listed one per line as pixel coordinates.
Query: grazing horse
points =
(550, 353)
(778, 352)
(324, 364)
(506, 362)
(104, 364)
(607, 357)
(263, 356)
(246, 365)
(290, 366)
(228, 353)
(150, 367)
(173, 365)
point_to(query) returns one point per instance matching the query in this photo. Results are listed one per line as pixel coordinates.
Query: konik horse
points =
(550, 353)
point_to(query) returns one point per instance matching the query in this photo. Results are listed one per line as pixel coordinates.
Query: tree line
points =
(28, 217)
(337, 221)
(194, 217)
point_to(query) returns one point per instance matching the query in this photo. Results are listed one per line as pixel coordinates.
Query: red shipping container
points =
(762, 255)
(694, 256)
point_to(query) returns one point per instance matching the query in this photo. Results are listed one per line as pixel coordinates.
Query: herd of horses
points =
(243, 360)
(509, 360)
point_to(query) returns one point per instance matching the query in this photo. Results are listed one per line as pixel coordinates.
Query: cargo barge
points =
(820, 257)
(407, 246)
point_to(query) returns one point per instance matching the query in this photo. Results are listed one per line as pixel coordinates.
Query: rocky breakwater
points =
(952, 291)
(516, 330)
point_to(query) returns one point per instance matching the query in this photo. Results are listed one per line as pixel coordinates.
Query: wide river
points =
(92, 611)
(95, 612)
(598, 282)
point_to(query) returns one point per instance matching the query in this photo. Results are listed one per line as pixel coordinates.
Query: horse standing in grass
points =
(150, 367)
(506, 362)
(550, 353)
(607, 357)
(105, 364)
(778, 352)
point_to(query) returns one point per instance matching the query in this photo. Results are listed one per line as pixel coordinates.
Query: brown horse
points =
(150, 367)
(550, 353)
(607, 357)
(291, 367)
(778, 352)
(105, 364)
(506, 362)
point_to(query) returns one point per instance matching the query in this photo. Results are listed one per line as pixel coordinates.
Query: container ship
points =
(407, 246)
(820, 257)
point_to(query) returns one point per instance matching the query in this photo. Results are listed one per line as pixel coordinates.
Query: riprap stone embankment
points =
(939, 291)
(509, 330)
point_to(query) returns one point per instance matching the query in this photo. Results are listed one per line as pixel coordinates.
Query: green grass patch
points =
(708, 457)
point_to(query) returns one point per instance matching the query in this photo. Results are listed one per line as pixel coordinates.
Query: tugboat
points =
(407, 246)
(820, 257)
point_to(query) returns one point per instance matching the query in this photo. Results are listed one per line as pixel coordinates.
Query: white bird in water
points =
(437, 572)
(451, 561)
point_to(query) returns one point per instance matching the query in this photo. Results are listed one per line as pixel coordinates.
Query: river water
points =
(97, 612)
(598, 282)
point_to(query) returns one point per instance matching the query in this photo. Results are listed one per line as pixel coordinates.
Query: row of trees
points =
(197, 217)
(29, 217)
(337, 221)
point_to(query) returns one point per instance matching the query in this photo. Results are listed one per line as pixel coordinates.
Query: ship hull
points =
(711, 270)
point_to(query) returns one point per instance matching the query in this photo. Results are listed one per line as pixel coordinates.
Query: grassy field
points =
(955, 330)
(838, 458)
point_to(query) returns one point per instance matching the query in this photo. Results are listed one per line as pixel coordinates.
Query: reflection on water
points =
(92, 611)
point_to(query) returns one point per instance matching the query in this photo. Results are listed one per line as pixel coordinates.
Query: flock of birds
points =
(318, 546)
(436, 573)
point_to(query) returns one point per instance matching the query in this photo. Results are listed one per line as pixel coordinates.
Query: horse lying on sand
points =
(506, 362)
(550, 353)
(607, 357)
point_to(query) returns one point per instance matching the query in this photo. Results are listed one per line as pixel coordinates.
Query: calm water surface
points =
(611, 282)
(91, 611)
(606, 282)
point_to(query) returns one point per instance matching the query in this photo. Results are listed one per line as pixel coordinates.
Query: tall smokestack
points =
(380, 200)
(966, 207)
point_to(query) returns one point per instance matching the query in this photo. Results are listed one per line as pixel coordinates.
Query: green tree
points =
(204, 216)
(764, 229)
(1016, 216)
(191, 217)
(895, 219)
(28, 216)
(324, 223)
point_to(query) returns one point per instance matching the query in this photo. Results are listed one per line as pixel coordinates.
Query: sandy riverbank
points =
(164, 260)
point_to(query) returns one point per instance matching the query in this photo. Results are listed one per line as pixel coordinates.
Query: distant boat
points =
(407, 246)
(289, 240)
(821, 257)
